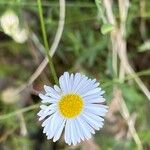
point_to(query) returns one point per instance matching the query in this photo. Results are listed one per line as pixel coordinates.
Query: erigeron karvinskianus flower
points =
(9, 22)
(20, 36)
(73, 107)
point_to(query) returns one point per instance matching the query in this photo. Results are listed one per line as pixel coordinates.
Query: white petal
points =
(55, 122)
(49, 132)
(94, 96)
(93, 116)
(67, 132)
(45, 115)
(94, 100)
(44, 107)
(58, 121)
(46, 99)
(89, 86)
(47, 127)
(86, 132)
(86, 125)
(49, 101)
(95, 124)
(48, 120)
(62, 84)
(46, 124)
(42, 96)
(94, 108)
(40, 113)
(84, 86)
(52, 95)
(71, 81)
(57, 88)
(51, 107)
(100, 106)
(66, 79)
(59, 130)
(48, 89)
(73, 133)
(81, 83)
(79, 131)
(77, 79)
(93, 91)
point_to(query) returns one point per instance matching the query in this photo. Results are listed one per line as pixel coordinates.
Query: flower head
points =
(73, 107)
(20, 36)
(9, 22)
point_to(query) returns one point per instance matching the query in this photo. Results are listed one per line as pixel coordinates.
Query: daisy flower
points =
(9, 22)
(73, 106)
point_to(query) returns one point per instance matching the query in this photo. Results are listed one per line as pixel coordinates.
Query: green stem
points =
(128, 77)
(51, 65)
(100, 10)
(14, 113)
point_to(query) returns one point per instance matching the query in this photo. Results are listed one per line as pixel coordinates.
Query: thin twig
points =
(123, 78)
(111, 20)
(52, 49)
(23, 130)
(119, 46)
(129, 70)
(143, 22)
(19, 111)
(115, 35)
(123, 9)
(124, 5)
(126, 115)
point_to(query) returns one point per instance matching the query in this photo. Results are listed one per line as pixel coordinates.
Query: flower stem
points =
(22, 110)
(51, 65)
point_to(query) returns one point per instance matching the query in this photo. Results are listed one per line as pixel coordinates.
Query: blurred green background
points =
(112, 46)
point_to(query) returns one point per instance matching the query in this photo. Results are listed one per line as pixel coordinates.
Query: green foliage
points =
(106, 28)
(145, 46)
(145, 136)
(132, 97)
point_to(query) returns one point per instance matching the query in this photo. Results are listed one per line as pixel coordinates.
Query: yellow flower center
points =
(70, 105)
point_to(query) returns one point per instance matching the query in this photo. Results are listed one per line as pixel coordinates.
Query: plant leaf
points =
(106, 28)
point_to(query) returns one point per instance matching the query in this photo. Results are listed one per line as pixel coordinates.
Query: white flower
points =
(20, 36)
(74, 106)
(9, 22)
